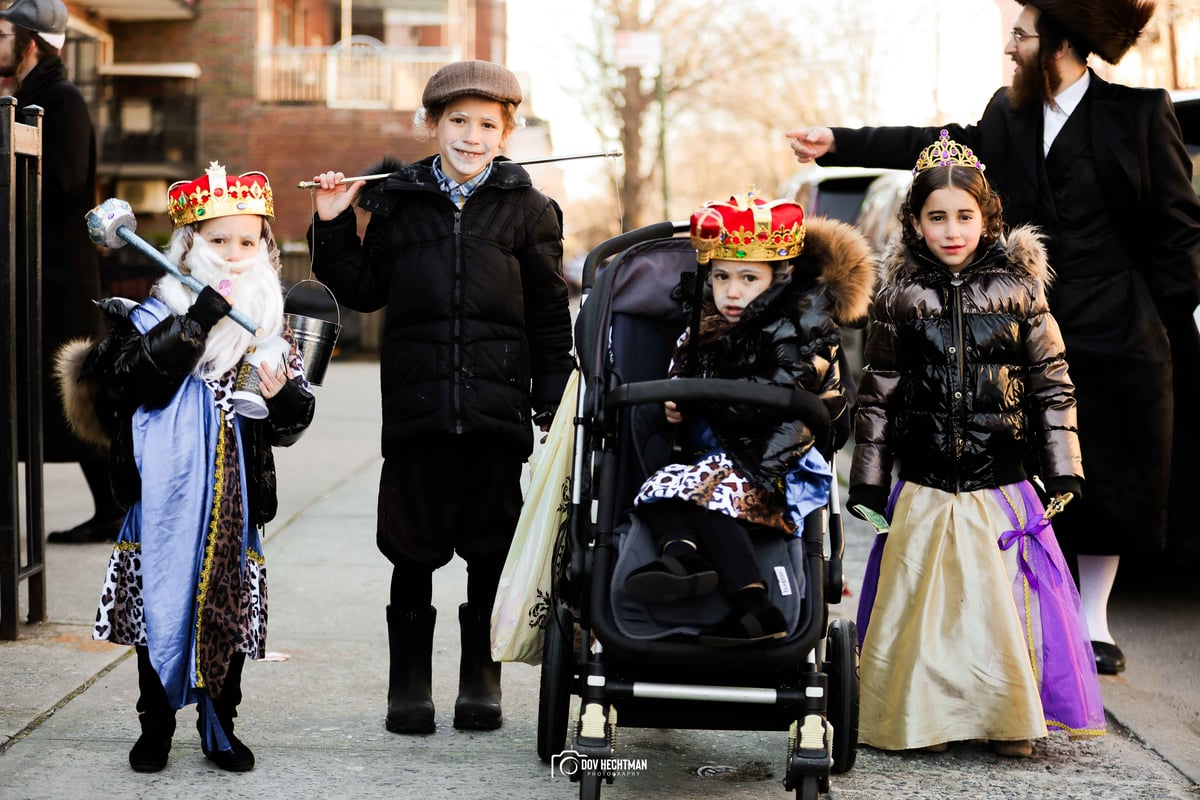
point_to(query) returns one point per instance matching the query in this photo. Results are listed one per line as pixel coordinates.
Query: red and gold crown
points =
(213, 195)
(748, 228)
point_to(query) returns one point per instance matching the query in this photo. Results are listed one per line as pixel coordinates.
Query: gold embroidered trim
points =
(211, 543)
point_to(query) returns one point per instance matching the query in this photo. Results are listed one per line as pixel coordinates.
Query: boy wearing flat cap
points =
(466, 256)
(31, 34)
(1102, 170)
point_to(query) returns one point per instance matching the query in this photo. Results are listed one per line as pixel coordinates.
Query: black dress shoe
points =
(1109, 658)
(93, 530)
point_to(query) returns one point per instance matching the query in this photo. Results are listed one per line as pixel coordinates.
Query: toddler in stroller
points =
(762, 320)
(752, 388)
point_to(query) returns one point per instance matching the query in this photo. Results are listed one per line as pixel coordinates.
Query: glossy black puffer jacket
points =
(128, 369)
(966, 375)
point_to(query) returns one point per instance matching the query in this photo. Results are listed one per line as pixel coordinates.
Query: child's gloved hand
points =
(1061, 484)
(210, 307)
(868, 496)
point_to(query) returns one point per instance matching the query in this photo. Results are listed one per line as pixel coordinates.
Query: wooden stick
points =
(381, 176)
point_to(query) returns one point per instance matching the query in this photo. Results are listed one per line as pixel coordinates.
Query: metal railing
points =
(360, 72)
(22, 547)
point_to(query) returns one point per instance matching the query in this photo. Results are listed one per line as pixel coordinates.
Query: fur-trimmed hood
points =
(842, 258)
(1109, 27)
(1023, 248)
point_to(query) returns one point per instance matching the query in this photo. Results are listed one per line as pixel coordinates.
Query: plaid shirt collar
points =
(459, 192)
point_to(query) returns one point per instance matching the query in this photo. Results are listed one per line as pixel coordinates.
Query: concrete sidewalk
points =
(313, 711)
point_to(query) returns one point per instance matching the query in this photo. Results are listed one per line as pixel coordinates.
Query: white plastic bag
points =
(523, 597)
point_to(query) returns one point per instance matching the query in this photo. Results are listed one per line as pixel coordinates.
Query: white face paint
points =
(470, 133)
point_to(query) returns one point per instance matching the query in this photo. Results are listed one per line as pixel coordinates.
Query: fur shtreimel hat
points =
(480, 78)
(1108, 27)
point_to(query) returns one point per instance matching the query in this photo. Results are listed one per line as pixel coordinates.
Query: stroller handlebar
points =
(619, 243)
(804, 405)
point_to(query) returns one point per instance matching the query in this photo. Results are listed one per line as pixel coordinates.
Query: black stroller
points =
(806, 684)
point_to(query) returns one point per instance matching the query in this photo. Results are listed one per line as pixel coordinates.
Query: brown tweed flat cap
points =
(481, 78)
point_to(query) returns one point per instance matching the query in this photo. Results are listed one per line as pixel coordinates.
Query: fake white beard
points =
(257, 294)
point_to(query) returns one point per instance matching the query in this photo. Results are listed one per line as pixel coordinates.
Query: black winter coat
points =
(70, 265)
(478, 329)
(965, 373)
(138, 369)
(787, 336)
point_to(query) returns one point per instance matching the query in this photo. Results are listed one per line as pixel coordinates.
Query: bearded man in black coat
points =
(31, 34)
(1102, 169)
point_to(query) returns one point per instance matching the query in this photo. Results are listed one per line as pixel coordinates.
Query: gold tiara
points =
(946, 152)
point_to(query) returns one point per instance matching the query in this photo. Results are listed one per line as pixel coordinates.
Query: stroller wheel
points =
(555, 689)
(589, 786)
(841, 667)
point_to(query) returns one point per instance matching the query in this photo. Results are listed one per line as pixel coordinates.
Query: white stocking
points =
(1096, 576)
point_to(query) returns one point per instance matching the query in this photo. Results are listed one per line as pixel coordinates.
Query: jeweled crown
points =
(946, 152)
(747, 228)
(214, 195)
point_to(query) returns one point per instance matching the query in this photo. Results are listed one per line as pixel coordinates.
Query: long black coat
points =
(1126, 399)
(478, 329)
(70, 265)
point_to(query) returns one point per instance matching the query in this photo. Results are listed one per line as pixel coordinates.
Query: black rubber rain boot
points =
(410, 675)
(478, 705)
(238, 758)
(156, 717)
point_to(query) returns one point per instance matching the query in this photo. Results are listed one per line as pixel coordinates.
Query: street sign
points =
(638, 49)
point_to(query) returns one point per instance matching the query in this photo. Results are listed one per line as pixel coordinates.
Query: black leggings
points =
(722, 540)
(412, 583)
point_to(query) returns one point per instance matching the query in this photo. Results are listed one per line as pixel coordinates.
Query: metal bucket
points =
(315, 338)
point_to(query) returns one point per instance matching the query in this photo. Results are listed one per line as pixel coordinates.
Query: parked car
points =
(834, 192)
(879, 214)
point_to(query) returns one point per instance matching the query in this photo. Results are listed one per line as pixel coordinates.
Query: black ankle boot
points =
(149, 753)
(238, 758)
(478, 705)
(156, 717)
(410, 674)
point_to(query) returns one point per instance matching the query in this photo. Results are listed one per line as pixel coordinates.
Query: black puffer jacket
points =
(478, 328)
(966, 376)
(787, 336)
(146, 370)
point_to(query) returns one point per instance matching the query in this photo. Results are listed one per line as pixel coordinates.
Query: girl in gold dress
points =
(970, 622)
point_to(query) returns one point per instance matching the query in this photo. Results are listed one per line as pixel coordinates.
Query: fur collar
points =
(842, 258)
(1023, 249)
